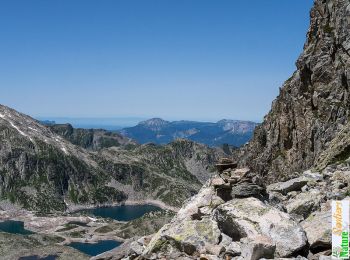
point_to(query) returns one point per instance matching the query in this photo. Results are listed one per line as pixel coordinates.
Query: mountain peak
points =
(155, 124)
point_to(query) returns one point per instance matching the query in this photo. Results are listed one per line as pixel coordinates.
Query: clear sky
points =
(175, 59)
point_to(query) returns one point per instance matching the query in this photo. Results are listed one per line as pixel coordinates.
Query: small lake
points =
(122, 213)
(95, 248)
(14, 227)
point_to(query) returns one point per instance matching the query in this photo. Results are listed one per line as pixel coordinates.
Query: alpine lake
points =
(120, 213)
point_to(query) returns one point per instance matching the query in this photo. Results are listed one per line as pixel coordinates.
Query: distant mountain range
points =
(159, 131)
(52, 167)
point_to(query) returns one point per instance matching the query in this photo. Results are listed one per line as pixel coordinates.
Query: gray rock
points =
(291, 185)
(214, 249)
(135, 248)
(257, 247)
(225, 240)
(187, 236)
(208, 257)
(312, 107)
(304, 203)
(217, 182)
(313, 175)
(233, 249)
(318, 229)
(240, 218)
(243, 190)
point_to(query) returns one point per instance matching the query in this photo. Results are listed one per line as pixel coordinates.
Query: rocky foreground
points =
(234, 216)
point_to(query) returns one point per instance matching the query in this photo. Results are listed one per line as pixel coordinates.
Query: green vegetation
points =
(104, 229)
(342, 156)
(146, 225)
(67, 227)
(77, 234)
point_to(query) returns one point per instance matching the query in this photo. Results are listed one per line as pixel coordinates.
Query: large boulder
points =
(318, 230)
(291, 185)
(258, 247)
(244, 190)
(249, 217)
(189, 236)
(305, 203)
(206, 198)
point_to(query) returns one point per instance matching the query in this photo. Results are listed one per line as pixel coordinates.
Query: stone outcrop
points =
(318, 230)
(313, 105)
(241, 218)
(91, 139)
(279, 224)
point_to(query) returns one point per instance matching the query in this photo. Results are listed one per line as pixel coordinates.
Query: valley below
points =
(92, 190)
(91, 231)
(73, 193)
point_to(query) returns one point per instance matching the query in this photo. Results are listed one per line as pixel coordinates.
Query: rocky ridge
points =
(313, 105)
(91, 139)
(234, 216)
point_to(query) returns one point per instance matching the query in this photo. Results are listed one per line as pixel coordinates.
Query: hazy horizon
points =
(192, 60)
(116, 123)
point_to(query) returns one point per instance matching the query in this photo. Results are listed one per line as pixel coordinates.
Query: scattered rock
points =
(135, 248)
(304, 203)
(257, 247)
(214, 249)
(244, 190)
(187, 236)
(217, 182)
(240, 218)
(233, 249)
(225, 163)
(318, 230)
(292, 185)
(313, 175)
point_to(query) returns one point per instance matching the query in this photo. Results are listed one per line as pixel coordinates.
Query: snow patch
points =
(64, 150)
(15, 127)
(31, 128)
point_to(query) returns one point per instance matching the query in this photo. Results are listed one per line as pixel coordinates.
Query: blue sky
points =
(175, 59)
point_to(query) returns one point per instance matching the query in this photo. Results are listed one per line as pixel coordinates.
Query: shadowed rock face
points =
(313, 105)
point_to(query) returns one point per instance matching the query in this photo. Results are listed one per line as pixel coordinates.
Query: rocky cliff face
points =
(313, 105)
(43, 171)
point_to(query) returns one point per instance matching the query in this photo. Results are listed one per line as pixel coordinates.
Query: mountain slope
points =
(91, 139)
(313, 105)
(170, 173)
(40, 170)
(159, 131)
